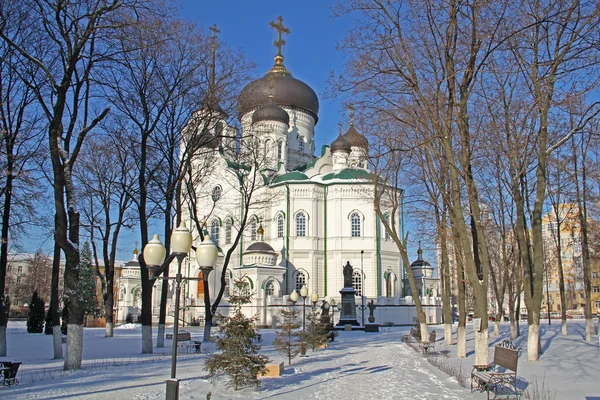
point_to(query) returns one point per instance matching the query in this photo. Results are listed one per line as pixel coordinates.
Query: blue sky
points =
(310, 53)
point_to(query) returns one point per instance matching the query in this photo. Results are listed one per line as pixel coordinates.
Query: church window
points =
(300, 281)
(355, 224)
(301, 145)
(200, 291)
(357, 283)
(245, 288)
(279, 150)
(269, 289)
(19, 269)
(228, 231)
(300, 224)
(216, 193)
(18, 280)
(214, 231)
(388, 286)
(280, 226)
(253, 229)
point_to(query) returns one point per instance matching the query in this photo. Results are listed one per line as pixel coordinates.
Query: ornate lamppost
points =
(334, 307)
(154, 257)
(304, 294)
(314, 298)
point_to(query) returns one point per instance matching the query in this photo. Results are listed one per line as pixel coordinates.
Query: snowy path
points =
(356, 366)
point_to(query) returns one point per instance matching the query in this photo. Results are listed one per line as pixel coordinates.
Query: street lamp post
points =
(314, 298)
(154, 257)
(334, 307)
(362, 287)
(304, 294)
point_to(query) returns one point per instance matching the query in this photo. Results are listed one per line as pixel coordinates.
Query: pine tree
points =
(87, 282)
(48, 329)
(317, 329)
(239, 358)
(35, 320)
(287, 340)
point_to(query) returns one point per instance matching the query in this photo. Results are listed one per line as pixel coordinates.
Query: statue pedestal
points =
(348, 308)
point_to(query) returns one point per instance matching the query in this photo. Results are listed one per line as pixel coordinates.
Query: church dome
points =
(419, 262)
(340, 144)
(271, 112)
(355, 139)
(287, 91)
(260, 246)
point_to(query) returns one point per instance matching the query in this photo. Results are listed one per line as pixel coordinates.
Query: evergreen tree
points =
(317, 329)
(48, 329)
(239, 358)
(35, 320)
(287, 340)
(87, 282)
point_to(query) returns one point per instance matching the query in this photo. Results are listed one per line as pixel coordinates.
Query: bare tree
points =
(20, 124)
(62, 64)
(105, 176)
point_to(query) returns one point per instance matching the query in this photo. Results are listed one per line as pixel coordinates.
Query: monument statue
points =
(348, 274)
(372, 308)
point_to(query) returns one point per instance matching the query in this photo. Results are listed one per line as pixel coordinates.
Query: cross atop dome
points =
(280, 30)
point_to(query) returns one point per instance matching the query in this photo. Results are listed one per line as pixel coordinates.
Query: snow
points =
(357, 365)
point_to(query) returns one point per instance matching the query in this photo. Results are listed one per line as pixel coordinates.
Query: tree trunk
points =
(54, 301)
(4, 253)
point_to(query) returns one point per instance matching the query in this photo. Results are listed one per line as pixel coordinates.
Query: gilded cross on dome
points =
(215, 31)
(351, 109)
(280, 30)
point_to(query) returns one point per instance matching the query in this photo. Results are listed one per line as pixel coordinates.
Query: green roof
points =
(349, 173)
(290, 176)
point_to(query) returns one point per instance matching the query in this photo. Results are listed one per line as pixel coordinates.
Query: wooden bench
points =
(8, 373)
(489, 377)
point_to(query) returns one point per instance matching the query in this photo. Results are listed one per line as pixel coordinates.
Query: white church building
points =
(309, 215)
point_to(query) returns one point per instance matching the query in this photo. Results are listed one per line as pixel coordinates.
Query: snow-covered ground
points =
(357, 365)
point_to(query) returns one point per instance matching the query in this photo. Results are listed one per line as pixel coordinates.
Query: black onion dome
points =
(260, 246)
(271, 112)
(286, 90)
(340, 144)
(355, 139)
(419, 262)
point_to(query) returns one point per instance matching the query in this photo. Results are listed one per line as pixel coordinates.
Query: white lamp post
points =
(206, 258)
(314, 298)
(304, 293)
(154, 257)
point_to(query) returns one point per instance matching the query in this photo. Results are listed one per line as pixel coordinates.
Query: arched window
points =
(253, 229)
(228, 231)
(216, 193)
(301, 144)
(300, 224)
(357, 283)
(226, 291)
(245, 289)
(300, 281)
(200, 291)
(214, 231)
(355, 224)
(280, 226)
(388, 286)
(137, 298)
(279, 150)
(269, 289)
